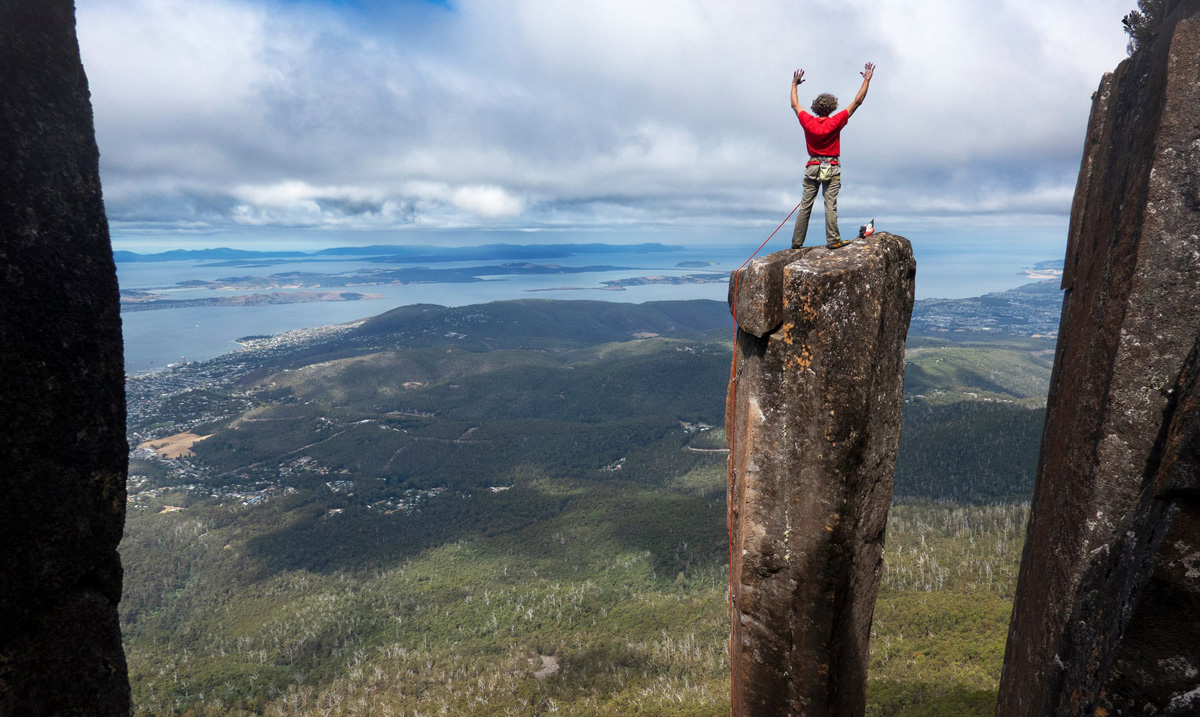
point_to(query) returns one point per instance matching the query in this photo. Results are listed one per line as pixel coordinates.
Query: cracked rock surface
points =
(814, 412)
(1106, 619)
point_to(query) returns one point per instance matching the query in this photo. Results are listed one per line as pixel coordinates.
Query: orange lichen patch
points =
(807, 309)
(176, 446)
(801, 361)
(1101, 712)
(837, 518)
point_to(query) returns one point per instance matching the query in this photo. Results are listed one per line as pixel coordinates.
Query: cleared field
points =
(176, 446)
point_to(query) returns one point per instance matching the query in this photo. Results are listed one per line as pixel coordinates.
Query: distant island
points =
(716, 278)
(145, 301)
(407, 254)
(290, 287)
(369, 277)
(620, 284)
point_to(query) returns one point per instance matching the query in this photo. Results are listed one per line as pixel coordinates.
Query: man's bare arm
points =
(867, 72)
(797, 78)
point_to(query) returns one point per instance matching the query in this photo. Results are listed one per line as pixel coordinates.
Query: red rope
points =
(730, 431)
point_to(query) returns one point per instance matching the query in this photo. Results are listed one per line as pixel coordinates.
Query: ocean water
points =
(947, 267)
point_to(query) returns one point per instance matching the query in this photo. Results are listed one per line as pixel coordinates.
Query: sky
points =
(267, 123)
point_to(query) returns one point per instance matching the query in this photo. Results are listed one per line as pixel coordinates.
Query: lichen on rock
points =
(813, 419)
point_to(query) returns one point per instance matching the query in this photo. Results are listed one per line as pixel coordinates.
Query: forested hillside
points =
(519, 507)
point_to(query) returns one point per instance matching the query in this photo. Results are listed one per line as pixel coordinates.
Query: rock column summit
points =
(62, 403)
(1106, 619)
(813, 418)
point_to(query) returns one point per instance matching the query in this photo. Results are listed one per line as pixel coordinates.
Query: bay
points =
(948, 267)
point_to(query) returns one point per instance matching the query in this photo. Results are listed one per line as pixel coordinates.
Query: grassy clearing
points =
(950, 373)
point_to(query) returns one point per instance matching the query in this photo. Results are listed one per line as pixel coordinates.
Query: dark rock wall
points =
(814, 411)
(1107, 611)
(62, 406)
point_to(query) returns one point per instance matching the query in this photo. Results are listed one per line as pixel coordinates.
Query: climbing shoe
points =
(837, 244)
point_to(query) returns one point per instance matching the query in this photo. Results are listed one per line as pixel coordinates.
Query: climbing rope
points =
(730, 431)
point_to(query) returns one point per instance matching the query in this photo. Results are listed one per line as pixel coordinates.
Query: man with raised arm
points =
(822, 135)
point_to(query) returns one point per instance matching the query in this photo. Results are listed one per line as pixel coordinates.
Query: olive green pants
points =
(829, 189)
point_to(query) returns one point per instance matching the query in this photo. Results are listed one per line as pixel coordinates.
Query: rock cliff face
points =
(814, 410)
(1107, 612)
(62, 406)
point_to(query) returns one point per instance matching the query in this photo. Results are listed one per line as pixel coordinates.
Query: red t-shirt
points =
(823, 135)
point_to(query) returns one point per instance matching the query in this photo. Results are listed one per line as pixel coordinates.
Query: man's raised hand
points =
(797, 77)
(868, 70)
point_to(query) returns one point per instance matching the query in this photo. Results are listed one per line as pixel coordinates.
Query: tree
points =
(1142, 24)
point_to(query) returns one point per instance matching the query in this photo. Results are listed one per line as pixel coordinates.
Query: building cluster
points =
(144, 494)
(411, 500)
(1032, 310)
(189, 395)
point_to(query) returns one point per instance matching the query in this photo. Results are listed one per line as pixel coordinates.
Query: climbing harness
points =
(826, 165)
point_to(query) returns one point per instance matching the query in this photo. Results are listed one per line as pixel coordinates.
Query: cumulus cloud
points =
(535, 114)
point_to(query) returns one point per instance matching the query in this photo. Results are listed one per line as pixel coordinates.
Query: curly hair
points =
(824, 105)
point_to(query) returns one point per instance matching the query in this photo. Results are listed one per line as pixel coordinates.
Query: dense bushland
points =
(514, 520)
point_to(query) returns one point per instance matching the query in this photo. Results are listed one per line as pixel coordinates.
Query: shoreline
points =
(152, 302)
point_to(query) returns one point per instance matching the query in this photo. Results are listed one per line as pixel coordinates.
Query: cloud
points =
(487, 202)
(536, 114)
